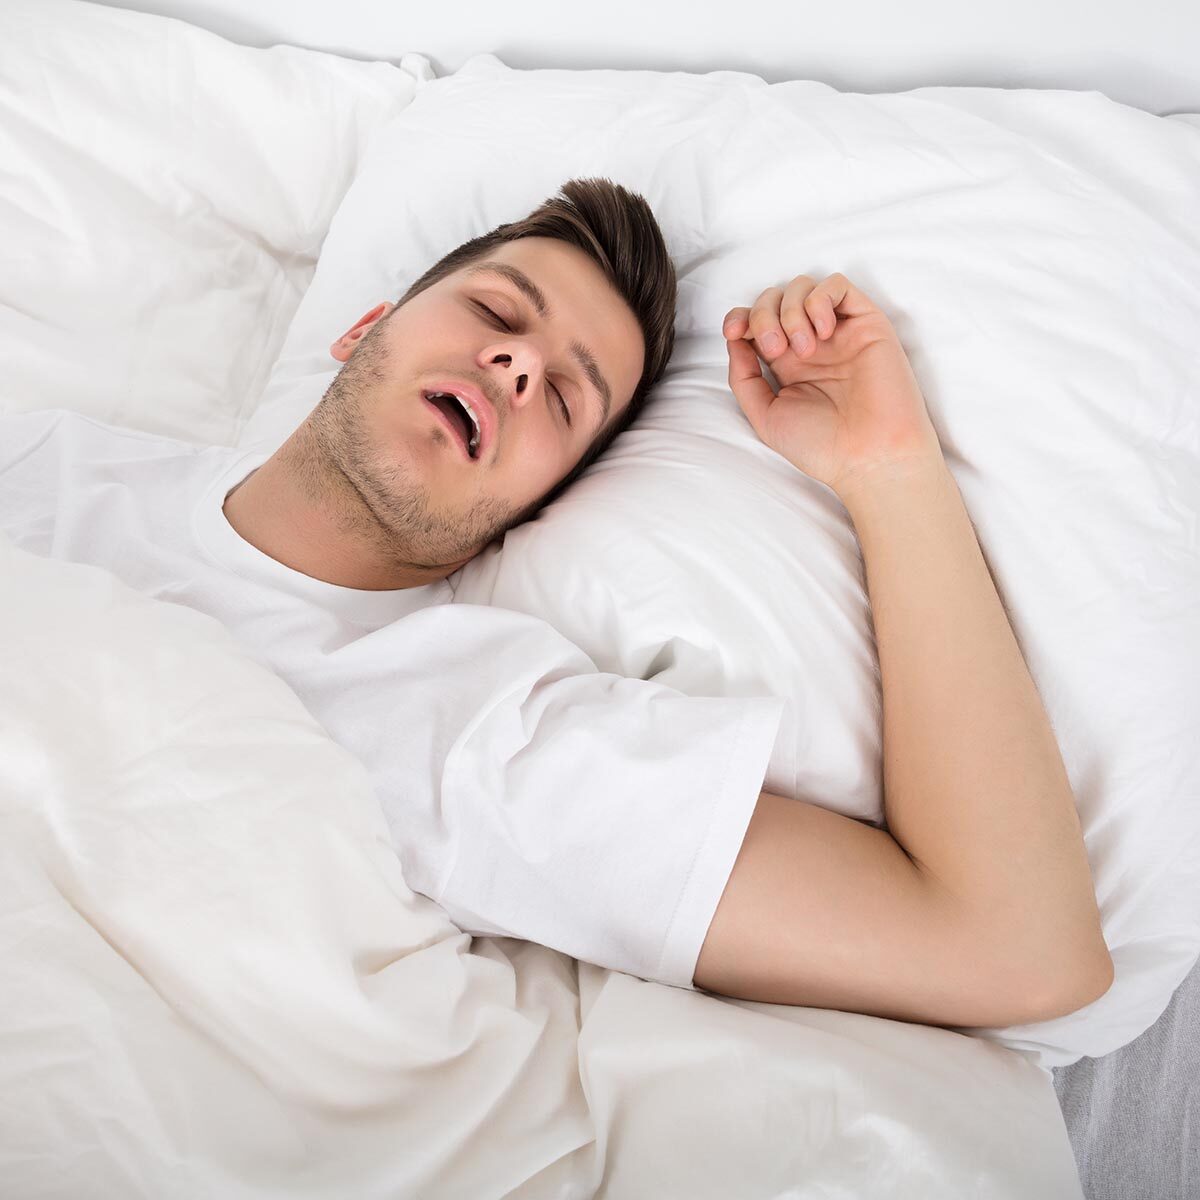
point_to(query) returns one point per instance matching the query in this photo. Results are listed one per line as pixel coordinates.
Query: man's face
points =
(397, 461)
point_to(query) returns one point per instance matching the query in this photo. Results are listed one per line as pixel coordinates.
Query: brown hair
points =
(617, 228)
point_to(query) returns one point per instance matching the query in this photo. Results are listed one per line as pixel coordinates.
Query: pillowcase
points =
(1035, 251)
(165, 195)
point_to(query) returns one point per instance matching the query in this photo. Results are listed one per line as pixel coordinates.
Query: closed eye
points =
(503, 325)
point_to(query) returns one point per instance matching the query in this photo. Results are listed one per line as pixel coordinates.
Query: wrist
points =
(867, 485)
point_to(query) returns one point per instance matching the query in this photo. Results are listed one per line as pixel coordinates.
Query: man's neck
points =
(308, 529)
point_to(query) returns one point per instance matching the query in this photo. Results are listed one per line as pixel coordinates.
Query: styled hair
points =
(618, 230)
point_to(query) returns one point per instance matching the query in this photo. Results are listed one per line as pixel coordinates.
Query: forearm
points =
(975, 789)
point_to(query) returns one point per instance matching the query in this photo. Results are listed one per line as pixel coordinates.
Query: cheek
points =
(541, 459)
(437, 338)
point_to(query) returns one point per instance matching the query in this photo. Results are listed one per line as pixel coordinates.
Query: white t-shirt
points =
(527, 793)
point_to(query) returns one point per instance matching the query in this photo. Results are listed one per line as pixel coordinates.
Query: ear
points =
(344, 346)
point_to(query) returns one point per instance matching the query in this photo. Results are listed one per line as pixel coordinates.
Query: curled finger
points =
(765, 327)
(835, 296)
(736, 323)
(797, 325)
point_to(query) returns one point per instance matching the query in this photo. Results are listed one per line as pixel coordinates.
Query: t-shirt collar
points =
(370, 609)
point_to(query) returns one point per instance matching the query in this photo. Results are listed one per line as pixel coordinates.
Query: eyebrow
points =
(536, 297)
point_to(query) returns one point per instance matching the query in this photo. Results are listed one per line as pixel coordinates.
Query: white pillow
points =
(163, 198)
(1036, 252)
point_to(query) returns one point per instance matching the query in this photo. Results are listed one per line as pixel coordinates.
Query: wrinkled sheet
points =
(164, 194)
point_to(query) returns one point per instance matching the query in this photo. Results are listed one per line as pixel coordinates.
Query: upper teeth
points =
(470, 413)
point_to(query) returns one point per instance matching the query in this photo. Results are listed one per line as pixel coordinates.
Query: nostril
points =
(521, 383)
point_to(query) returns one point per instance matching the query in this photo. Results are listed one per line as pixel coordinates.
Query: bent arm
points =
(975, 790)
(976, 906)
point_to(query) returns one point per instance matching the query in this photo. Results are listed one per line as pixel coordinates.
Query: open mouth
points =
(457, 419)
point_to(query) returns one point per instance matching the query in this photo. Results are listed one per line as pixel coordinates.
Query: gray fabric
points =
(1133, 1116)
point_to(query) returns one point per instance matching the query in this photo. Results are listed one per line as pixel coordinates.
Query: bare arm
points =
(975, 790)
(976, 906)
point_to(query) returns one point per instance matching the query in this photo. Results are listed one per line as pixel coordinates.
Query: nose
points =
(521, 374)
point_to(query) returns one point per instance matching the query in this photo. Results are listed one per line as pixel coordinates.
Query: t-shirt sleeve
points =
(534, 796)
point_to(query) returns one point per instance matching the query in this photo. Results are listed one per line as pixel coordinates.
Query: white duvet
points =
(215, 981)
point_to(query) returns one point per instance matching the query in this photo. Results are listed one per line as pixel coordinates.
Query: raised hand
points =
(848, 403)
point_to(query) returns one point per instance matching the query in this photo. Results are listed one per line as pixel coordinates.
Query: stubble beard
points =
(375, 499)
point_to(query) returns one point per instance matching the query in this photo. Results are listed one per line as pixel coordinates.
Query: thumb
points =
(746, 381)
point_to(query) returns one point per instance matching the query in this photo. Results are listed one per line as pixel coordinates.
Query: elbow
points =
(1095, 981)
(1055, 980)
(1080, 987)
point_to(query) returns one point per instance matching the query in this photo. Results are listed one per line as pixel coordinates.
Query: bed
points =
(216, 979)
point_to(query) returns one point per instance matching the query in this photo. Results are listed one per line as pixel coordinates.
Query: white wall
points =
(1145, 54)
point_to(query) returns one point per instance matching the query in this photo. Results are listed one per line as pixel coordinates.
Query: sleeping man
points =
(531, 795)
